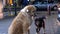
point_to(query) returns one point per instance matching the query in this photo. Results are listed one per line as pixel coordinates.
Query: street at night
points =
(51, 9)
(51, 25)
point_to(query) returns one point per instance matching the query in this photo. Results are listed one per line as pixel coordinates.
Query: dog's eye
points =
(27, 11)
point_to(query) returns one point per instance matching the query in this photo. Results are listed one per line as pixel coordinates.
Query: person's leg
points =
(44, 27)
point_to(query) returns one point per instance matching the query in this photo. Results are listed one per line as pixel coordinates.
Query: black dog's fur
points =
(39, 22)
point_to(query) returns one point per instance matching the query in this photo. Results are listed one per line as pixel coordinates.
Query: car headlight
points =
(58, 8)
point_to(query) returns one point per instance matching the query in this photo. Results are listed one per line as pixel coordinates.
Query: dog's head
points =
(30, 9)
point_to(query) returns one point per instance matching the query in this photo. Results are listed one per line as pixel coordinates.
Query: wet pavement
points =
(51, 26)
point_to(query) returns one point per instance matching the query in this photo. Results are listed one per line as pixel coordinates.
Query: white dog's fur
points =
(23, 20)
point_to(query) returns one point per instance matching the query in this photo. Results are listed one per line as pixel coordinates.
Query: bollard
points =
(48, 9)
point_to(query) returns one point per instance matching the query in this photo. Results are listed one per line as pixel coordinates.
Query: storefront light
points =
(11, 4)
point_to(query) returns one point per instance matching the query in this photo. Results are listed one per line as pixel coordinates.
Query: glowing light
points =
(27, 0)
(11, 4)
(58, 8)
(58, 15)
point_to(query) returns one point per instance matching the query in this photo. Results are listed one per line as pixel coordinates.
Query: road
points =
(51, 26)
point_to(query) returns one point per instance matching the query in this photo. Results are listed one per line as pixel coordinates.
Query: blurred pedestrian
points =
(15, 7)
(20, 2)
(49, 9)
(25, 2)
(1, 10)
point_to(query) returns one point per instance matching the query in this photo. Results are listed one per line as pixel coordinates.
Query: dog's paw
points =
(44, 32)
(38, 33)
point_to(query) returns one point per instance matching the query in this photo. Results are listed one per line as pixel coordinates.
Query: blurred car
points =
(42, 6)
(58, 17)
(58, 14)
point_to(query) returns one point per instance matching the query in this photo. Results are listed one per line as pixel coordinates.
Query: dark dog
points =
(39, 22)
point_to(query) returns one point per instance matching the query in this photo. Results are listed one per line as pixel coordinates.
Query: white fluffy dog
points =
(23, 20)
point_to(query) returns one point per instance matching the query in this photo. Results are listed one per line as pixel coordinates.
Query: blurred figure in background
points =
(20, 2)
(58, 10)
(1, 12)
(25, 3)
